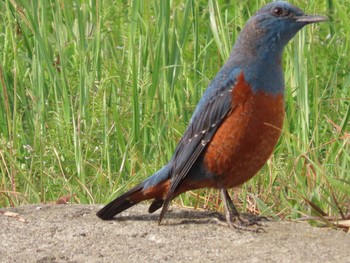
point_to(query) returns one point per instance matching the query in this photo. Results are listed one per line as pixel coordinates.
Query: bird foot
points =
(239, 221)
(243, 222)
(246, 219)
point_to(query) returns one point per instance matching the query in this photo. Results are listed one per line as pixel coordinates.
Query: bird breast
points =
(247, 137)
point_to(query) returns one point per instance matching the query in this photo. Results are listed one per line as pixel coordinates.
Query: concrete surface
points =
(72, 233)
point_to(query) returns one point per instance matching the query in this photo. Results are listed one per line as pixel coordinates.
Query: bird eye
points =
(278, 11)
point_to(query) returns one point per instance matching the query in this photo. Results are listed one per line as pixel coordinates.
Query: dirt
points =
(72, 233)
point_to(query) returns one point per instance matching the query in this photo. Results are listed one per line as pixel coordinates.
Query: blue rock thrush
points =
(235, 125)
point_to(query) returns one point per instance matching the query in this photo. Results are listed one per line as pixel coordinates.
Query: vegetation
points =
(96, 94)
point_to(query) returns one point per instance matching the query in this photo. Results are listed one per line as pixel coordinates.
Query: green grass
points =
(96, 94)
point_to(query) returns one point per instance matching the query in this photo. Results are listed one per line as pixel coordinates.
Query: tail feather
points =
(154, 187)
(156, 204)
(120, 204)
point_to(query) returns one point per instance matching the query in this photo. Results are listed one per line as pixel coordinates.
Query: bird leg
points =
(239, 221)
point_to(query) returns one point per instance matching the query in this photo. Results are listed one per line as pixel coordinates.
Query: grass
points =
(96, 94)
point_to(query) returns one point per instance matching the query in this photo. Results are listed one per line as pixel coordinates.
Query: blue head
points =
(278, 22)
(258, 49)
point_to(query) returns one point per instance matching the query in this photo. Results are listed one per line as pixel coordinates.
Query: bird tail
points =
(155, 187)
(121, 203)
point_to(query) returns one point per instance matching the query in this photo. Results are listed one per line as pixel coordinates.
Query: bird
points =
(236, 124)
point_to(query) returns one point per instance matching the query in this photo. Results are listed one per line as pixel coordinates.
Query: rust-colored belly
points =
(247, 137)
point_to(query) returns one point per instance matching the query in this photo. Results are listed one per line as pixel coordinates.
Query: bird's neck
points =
(261, 62)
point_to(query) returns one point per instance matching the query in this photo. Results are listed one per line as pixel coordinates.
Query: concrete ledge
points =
(72, 233)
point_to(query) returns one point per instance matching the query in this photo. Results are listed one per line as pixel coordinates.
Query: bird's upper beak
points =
(308, 19)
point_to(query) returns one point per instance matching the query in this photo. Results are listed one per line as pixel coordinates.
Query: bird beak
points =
(308, 19)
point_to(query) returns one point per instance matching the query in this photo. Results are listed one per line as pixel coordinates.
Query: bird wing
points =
(214, 106)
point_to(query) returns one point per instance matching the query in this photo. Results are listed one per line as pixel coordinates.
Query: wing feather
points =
(204, 123)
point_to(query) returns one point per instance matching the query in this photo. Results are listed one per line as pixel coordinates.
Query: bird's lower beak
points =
(308, 19)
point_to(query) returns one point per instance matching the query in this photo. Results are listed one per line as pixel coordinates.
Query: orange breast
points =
(246, 138)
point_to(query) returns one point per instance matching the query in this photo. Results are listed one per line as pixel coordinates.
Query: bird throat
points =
(259, 55)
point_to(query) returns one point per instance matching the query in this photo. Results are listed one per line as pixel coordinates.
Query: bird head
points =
(280, 21)
(271, 28)
(259, 47)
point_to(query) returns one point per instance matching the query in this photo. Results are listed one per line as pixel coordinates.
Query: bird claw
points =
(243, 222)
(240, 221)
(246, 219)
(246, 228)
